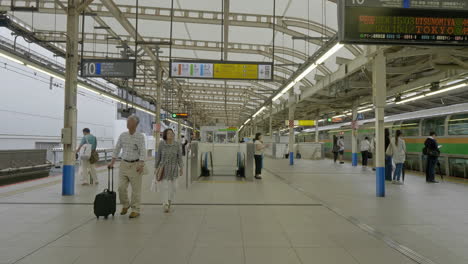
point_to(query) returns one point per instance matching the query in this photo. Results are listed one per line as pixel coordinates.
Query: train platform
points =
(313, 212)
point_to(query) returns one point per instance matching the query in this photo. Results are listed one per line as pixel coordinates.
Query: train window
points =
(436, 124)
(458, 167)
(413, 162)
(410, 128)
(458, 125)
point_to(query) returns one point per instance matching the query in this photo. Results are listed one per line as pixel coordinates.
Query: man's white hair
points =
(134, 117)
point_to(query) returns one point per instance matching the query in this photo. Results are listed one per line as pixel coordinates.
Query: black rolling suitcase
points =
(105, 203)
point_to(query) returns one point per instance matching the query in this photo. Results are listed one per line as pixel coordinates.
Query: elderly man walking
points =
(132, 166)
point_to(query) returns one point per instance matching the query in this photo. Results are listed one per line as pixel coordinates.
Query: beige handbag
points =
(160, 174)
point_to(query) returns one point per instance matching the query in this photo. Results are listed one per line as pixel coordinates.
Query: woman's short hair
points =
(165, 133)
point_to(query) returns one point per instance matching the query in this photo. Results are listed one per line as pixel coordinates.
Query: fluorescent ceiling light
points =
(305, 73)
(365, 110)
(259, 111)
(447, 89)
(11, 58)
(329, 53)
(454, 82)
(309, 69)
(248, 120)
(289, 86)
(45, 72)
(338, 116)
(411, 99)
(88, 89)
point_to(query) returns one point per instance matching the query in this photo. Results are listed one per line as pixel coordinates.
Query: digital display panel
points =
(180, 115)
(115, 68)
(403, 22)
(222, 70)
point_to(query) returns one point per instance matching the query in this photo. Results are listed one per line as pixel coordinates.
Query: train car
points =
(451, 129)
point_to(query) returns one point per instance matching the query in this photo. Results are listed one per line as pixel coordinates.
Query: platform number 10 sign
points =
(89, 68)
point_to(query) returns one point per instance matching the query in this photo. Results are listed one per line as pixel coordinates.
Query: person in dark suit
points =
(388, 158)
(432, 152)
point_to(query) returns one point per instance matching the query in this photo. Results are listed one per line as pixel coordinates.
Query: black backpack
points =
(424, 151)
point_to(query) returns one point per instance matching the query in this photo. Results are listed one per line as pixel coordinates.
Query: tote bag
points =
(85, 151)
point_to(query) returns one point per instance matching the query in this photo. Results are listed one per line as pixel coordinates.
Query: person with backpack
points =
(397, 149)
(431, 150)
(365, 147)
(88, 163)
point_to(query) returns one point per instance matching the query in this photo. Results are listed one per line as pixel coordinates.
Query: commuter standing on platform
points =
(335, 148)
(169, 165)
(397, 149)
(259, 148)
(365, 150)
(88, 165)
(184, 143)
(432, 151)
(388, 158)
(373, 147)
(342, 148)
(132, 166)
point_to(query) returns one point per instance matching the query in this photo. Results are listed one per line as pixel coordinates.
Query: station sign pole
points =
(354, 132)
(379, 91)
(292, 108)
(70, 111)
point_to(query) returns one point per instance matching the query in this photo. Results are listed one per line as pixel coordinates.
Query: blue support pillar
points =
(355, 159)
(292, 138)
(354, 131)
(68, 180)
(379, 90)
(70, 95)
(380, 181)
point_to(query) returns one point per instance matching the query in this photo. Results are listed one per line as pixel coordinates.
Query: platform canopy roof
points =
(241, 30)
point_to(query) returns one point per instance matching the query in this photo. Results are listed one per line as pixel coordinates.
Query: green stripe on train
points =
(449, 148)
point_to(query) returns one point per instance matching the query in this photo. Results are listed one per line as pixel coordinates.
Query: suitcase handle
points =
(109, 169)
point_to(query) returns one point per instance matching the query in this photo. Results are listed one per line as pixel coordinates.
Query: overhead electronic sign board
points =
(180, 115)
(114, 68)
(403, 22)
(222, 70)
(301, 122)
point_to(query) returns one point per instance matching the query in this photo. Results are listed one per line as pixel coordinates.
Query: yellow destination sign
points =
(306, 123)
(235, 71)
(302, 122)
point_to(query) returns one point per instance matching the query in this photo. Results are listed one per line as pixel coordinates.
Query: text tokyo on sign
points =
(428, 22)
